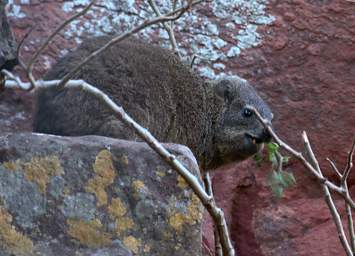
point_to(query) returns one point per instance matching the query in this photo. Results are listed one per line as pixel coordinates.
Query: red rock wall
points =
(305, 67)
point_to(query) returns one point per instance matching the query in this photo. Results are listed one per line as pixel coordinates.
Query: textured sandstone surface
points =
(93, 196)
(304, 65)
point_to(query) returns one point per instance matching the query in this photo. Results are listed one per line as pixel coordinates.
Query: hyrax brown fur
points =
(161, 94)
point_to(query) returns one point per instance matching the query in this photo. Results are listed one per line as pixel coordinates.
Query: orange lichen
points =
(117, 211)
(147, 248)
(105, 175)
(10, 239)
(89, 233)
(138, 188)
(124, 160)
(181, 183)
(132, 243)
(40, 169)
(12, 166)
(177, 220)
(160, 173)
(123, 224)
(193, 216)
(138, 185)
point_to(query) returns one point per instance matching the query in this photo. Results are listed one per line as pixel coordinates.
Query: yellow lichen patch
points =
(176, 221)
(195, 212)
(12, 166)
(12, 240)
(160, 173)
(181, 182)
(194, 215)
(40, 169)
(132, 243)
(66, 191)
(117, 210)
(123, 224)
(105, 175)
(89, 233)
(147, 248)
(124, 160)
(138, 187)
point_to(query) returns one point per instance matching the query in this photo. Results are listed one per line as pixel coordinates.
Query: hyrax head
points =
(238, 134)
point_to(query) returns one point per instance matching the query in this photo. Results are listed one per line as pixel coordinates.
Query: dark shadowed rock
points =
(8, 58)
(94, 196)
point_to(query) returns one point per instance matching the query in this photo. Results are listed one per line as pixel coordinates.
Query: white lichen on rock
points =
(197, 33)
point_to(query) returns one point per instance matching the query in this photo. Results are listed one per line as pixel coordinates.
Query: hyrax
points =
(161, 94)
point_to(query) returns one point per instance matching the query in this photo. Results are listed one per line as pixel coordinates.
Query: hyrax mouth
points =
(255, 139)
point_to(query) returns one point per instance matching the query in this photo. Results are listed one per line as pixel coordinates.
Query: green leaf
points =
(285, 159)
(277, 191)
(272, 147)
(258, 157)
(289, 179)
(274, 178)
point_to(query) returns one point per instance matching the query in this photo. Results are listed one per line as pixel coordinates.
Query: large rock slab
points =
(94, 196)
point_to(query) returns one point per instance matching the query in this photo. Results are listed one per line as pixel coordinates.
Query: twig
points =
(17, 82)
(295, 153)
(279, 161)
(315, 169)
(215, 212)
(347, 169)
(350, 221)
(217, 243)
(174, 15)
(349, 164)
(328, 199)
(20, 44)
(50, 38)
(334, 168)
(338, 189)
(208, 183)
(167, 27)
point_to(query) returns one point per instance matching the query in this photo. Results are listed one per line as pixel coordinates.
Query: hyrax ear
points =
(224, 89)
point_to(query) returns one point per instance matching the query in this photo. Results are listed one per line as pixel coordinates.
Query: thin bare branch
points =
(349, 163)
(293, 152)
(17, 82)
(279, 161)
(167, 27)
(328, 198)
(340, 190)
(208, 183)
(174, 15)
(215, 212)
(20, 44)
(50, 38)
(334, 168)
(217, 243)
(350, 222)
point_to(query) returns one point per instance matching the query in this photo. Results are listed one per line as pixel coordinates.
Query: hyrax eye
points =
(247, 112)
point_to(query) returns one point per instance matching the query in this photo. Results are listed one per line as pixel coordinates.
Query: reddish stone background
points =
(305, 68)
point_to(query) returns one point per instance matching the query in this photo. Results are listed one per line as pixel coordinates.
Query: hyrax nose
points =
(265, 136)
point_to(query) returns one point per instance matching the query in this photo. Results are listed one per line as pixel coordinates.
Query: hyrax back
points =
(147, 81)
(161, 94)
